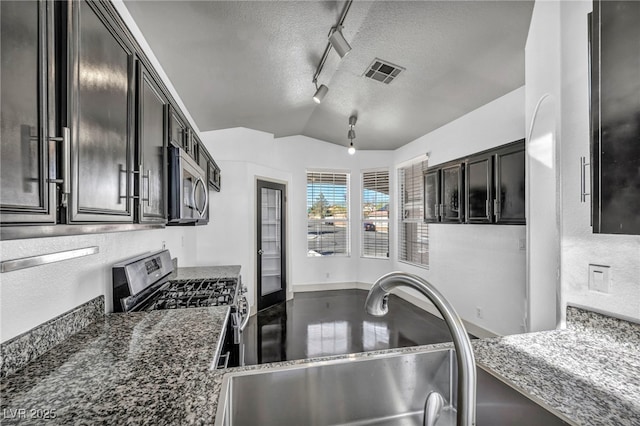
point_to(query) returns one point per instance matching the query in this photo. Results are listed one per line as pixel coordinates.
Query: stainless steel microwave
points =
(188, 189)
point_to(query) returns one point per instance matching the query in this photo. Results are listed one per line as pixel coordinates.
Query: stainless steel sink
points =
(378, 390)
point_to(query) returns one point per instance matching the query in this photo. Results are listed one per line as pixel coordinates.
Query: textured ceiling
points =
(250, 64)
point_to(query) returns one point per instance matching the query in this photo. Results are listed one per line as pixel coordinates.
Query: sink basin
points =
(388, 389)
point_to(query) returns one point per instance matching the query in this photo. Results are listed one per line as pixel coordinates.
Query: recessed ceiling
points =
(251, 64)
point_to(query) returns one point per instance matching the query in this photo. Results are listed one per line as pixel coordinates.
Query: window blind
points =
(413, 235)
(375, 214)
(327, 213)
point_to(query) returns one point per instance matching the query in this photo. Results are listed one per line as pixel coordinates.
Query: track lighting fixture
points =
(339, 43)
(351, 134)
(342, 47)
(321, 92)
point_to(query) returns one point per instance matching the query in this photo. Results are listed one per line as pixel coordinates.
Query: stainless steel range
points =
(142, 284)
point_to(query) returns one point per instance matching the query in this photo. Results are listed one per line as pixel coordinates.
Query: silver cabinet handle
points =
(583, 179)
(65, 140)
(260, 252)
(496, 211)
(486, 208)
(148, 187)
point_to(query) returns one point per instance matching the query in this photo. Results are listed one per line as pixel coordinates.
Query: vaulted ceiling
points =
(251, 63)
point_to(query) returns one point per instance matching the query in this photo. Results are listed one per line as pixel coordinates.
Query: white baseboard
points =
(421, 303)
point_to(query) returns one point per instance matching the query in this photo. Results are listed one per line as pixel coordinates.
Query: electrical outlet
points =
(522, 244)
(599, 278)
(479, 312)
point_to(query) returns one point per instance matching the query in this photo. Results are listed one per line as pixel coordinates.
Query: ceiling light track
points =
(340, 44)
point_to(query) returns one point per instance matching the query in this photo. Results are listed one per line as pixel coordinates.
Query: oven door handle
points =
(245, 308)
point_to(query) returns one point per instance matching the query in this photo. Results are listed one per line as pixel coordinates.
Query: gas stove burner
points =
(195, 293)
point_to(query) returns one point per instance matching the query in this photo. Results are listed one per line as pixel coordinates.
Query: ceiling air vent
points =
(383, 71)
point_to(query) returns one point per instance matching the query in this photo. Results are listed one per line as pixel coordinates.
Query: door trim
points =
(278, 296)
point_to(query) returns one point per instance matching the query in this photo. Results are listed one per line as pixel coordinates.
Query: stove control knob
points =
(243, 289)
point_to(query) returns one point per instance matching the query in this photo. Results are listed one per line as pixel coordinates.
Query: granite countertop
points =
(155, 367)
(135, 368)
(212, 272)
(588, 372)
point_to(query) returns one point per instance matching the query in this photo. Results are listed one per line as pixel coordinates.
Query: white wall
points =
(580, 246)
(542, 74)
(32, 296)
(245, 155)
(476, 265)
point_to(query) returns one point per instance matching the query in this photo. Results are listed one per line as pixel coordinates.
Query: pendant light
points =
(351, 134)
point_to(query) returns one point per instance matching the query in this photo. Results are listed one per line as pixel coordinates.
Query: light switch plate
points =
(599, 278)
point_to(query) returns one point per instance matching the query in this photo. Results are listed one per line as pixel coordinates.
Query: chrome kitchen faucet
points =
(376, 304)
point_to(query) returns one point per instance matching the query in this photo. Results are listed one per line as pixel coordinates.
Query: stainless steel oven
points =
(142, 283)
(188, 189)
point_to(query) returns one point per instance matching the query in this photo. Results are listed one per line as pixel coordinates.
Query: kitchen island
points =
(156, 367)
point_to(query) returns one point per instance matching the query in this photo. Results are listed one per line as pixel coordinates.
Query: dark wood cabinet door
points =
(479, 194)
(178, 134)
(101, 115)
(509, 204)
(615, 80)
(432, 196)
(26, 89)
(452, 198)
(151, 146)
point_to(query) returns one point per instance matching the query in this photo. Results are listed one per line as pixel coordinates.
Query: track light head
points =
(352, 120)
(351, 134)
(320, 93)
(339, 43)
(352, 149)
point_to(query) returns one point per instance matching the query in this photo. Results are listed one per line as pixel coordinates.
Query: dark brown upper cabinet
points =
(479, 189)
(27, 163)
(432, 196)
(151, 158)
(615, 117)
(100, 114)
(487, 187)
(443, 193)
(178, 131)
(452, 200)
(509, 199)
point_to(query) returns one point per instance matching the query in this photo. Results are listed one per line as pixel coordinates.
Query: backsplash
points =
(625, 334)
(23, 349)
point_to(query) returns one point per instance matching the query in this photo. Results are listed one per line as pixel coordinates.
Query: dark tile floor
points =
(334, 322)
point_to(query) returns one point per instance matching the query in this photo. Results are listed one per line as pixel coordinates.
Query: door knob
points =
(260, 252)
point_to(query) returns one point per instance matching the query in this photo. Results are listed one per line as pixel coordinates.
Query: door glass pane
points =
(478, 175)
(271, 241)
(451, 192)
(20, 154)
(511, 191)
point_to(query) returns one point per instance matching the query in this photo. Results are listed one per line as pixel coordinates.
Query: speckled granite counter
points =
(212, 272)
(155, 368)
(136, 368)
(589, 372)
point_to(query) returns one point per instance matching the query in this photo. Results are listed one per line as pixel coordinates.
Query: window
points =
(375, 214)
(327, 214)
(413, 244)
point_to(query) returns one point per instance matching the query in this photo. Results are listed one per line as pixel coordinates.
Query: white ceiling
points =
(250, 64)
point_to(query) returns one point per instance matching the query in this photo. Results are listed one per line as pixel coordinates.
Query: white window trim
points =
(348, 204)
(362, 219)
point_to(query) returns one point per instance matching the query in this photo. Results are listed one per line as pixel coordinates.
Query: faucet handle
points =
(433, 408)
